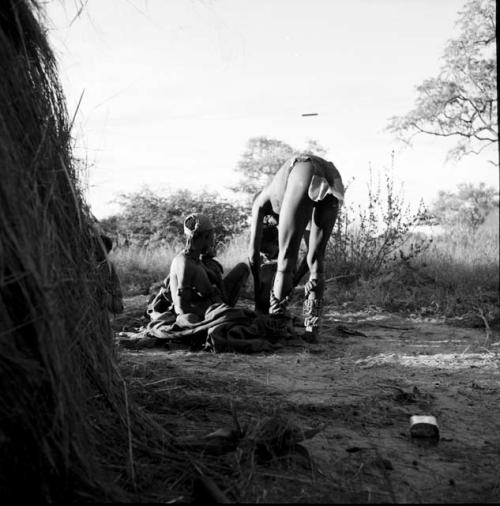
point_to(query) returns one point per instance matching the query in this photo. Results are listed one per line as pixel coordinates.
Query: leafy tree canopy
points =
(148, 218)
(470, 205)
(461, 102)
(263, 157)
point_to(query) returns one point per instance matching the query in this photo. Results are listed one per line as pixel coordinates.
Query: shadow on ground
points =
(361, 383)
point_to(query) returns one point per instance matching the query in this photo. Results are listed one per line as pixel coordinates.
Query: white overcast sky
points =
(173, 89)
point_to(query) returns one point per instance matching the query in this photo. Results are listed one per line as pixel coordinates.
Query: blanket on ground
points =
(224, 329)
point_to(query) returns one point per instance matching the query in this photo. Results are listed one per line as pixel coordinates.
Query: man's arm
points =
(259, 208)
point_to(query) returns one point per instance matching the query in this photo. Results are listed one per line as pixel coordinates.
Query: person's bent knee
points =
(239, 272)
(241, 269)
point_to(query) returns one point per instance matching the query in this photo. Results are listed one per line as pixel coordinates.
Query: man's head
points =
(107, 242)
(102, 246)
(199, 232)
(269, 244)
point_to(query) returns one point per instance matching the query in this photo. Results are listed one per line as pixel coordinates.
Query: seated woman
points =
(196, 279)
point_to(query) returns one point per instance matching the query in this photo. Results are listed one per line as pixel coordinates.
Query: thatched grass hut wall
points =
(56, 358)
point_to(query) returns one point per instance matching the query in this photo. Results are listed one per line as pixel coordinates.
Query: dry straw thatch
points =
(56, 358)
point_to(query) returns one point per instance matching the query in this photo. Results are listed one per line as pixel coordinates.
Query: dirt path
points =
(370, 372)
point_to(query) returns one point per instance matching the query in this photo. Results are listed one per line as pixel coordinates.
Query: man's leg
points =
(324, 216)
(295, 212)
(234, 282)
(303, 268)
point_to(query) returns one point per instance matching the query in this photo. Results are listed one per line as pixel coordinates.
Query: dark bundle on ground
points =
(56, 357)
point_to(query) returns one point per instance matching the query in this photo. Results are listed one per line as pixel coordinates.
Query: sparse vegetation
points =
(369, 241)
(81, 421)
(377, 257)
(153, 219)
(139, 268)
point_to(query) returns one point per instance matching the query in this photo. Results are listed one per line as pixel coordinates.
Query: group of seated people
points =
(196, 280)
(300, 203)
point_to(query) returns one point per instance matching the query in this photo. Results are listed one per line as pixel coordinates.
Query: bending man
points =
(306, 189)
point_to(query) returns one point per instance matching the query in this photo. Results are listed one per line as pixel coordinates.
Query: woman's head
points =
(199, 232)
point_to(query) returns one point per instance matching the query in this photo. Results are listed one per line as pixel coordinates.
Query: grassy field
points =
(455, 273)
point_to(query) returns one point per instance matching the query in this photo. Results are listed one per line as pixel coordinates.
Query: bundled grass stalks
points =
(61, 395)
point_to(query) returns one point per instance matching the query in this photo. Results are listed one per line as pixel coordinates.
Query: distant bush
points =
(468, 206)
(150, 219)
(368, 241)
(455, 273)
(375, 257)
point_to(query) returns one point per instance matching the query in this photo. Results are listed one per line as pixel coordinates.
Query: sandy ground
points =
(370, 372)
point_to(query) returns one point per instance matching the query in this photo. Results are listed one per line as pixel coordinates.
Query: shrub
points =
(150, 219)
(367, 241)
(469, 205)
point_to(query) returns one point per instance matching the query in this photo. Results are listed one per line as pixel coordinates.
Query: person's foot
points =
(311, 335)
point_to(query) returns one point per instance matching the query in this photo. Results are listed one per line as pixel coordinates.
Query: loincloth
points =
(326, 179)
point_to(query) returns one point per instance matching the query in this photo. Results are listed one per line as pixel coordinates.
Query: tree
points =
(148, 218)
(314, 148)
(461, 102)
(469, 205)
(263, 157)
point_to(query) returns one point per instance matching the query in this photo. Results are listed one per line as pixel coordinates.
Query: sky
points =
(170, 91)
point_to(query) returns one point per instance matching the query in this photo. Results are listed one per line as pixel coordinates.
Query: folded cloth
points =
(186, 326)
(319, 188)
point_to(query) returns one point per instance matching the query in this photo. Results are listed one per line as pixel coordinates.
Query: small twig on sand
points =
(392, 386)
(487, 328)
(340, 277)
